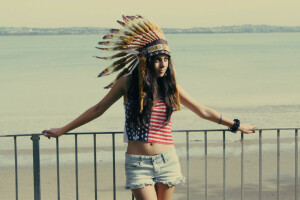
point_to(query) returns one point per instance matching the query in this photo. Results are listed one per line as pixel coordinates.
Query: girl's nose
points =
(163, 64)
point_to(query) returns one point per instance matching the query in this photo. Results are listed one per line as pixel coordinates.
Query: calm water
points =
(47, 81)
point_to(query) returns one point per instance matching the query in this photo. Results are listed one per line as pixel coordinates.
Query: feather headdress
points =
(138, 39)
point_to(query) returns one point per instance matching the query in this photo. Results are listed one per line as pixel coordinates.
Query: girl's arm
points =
(210, 114)
(92, 113)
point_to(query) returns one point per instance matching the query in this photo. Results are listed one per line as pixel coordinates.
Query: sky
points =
(167, 13)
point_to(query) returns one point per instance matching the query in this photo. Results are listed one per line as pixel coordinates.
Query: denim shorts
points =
(147, 170)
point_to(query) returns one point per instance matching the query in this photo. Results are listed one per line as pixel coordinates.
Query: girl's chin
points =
(160, 75)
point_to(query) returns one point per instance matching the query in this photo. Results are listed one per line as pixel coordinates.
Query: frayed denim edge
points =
(138, 186)
(177, 181)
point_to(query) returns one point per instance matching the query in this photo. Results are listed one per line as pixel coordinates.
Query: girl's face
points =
(161, 63)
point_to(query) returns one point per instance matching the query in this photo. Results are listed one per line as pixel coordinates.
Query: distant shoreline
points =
(22, 31)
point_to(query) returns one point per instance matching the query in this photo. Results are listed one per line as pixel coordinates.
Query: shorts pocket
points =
(134, 164)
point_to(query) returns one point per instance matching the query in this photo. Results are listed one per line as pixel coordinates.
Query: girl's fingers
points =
(46, 134)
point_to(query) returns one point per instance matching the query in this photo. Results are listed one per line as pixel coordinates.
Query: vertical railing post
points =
(224, 168)
(278, 164)
(242, 166)
(16, 167)
(57, 169)
(205, 150)
(188, 165)
(36, 166)
(114, 165)
(76, 166)
(260, 165)
(296, 164)
(95, 167)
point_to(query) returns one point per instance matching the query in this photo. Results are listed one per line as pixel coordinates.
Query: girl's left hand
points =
(247, 128)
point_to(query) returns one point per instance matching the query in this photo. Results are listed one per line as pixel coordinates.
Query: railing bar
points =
(16, 167)
(224, 167)
(188, 164)
(260, 165)
(121, 132)
(76, 165)
(114, 166)
(296, 164)
(95, 167)
(57, 168)
(205, 148)
(132, 197)
(242, 166)
(36, 166)
(278, 164)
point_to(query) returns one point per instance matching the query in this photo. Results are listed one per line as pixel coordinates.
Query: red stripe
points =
(159, 131)
(158, 115)
(159, 123)
(161, 127)
(160, 142)
(155, 119)
(164, 139)
(161, 110)
(160, 135)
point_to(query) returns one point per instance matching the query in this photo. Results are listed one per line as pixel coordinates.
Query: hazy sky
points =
(167, 13)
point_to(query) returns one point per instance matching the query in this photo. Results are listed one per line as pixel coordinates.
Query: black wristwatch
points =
(235, 126)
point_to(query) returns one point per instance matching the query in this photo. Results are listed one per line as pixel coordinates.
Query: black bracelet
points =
(235, 126)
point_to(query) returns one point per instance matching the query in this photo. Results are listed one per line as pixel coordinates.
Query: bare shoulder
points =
(179, 87)
(122, 83)
(181, 90)
(185, 98)
(126, 80)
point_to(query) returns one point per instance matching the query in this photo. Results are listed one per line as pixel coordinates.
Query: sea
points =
(48, 81)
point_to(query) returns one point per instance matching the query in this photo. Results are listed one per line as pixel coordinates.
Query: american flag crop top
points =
(157, 132)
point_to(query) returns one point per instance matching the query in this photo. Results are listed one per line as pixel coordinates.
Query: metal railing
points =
(36, 161)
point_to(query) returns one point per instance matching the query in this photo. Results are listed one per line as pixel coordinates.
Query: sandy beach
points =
(197, 178)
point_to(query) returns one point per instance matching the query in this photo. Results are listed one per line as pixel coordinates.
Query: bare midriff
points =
(147, 148)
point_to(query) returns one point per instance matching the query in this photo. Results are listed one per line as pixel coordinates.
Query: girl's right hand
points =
(53, 132)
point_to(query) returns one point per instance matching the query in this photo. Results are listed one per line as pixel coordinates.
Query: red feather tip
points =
(115, 30)
(104, 58)
(103, 73)
(109, 86)
(131, 17)
(121, 23)
(108, 37)
(103, 43)
(102, 48)
(125, 19)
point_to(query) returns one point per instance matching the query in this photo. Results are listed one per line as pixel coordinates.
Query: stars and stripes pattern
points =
(157, 131)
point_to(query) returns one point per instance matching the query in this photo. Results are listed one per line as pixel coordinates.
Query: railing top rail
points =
(119, 132)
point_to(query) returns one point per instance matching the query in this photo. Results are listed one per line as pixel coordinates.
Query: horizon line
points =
(161, 27)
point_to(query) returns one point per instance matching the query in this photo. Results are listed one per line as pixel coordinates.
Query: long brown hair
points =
(166, 85)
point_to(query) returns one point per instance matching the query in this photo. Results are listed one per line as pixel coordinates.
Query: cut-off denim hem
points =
(144, 170)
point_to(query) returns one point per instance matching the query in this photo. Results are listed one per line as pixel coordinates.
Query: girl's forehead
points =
(161, 56)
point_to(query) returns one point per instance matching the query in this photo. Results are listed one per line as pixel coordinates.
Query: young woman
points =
(150, 96)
